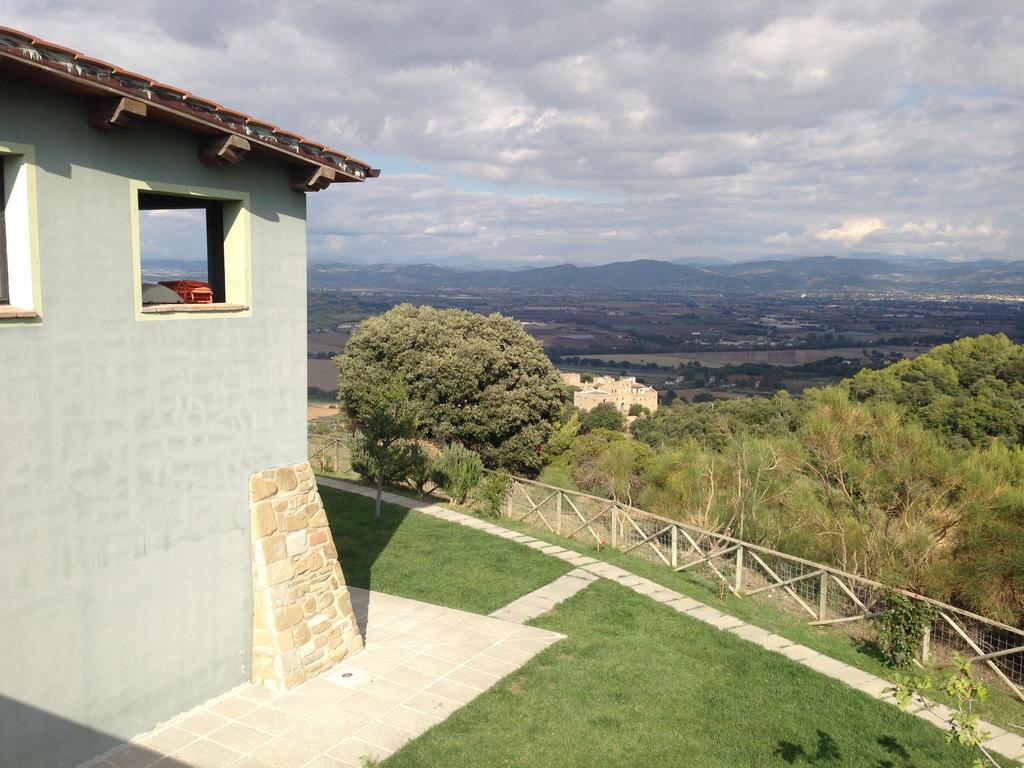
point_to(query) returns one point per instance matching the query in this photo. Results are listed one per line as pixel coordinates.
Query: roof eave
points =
(263, 139)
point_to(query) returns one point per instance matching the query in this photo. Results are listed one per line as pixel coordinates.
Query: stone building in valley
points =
(163, 537)
(623, 392)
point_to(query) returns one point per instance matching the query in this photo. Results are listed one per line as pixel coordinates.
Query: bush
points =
(492, 492)
(602, 416)
(457, 471)
(901, 628)
(417, 473)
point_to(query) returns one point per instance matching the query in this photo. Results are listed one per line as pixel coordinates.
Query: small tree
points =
(387, 421)
(457, 471)
(638, 410)
(965, 692)
(602, 416)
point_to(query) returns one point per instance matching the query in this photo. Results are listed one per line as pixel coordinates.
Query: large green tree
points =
(481, 381)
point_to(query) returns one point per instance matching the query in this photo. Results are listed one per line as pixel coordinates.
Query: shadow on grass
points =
(870, 648)
(360, 540)
(420, 557)
(825, 752)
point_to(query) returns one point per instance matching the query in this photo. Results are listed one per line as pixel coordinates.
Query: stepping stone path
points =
(1010, 745)
(542, 600)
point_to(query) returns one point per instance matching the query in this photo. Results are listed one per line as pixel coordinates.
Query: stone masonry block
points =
(296, 522)
(286, 618)
(297, 543)
(261, 488)
(275, 573)
(271, 549)
(264, 521)
(318, 517)
(285, 479)
(302, 634)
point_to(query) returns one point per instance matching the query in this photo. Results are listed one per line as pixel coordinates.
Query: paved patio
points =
(421, 663)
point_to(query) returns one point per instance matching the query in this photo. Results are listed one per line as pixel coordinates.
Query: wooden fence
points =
(326, 453)
(826, 595)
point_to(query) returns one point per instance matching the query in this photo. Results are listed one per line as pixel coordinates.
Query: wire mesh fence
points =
(823, 594)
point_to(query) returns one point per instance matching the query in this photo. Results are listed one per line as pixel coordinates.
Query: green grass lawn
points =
(637, 684)
(1001, 708)
(410, 554)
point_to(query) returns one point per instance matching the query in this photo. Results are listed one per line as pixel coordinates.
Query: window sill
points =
(166, 309)
(8, 312)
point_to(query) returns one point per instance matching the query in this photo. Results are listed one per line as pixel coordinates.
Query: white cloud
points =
(851, 232)
(530, 130)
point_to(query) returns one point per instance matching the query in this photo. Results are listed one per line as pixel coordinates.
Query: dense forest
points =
(912, 474)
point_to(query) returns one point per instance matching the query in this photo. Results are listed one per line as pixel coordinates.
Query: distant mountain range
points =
(818, 274)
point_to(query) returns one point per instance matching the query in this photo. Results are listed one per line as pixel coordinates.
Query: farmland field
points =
(714, 359)
(322, 374)
(314, 412)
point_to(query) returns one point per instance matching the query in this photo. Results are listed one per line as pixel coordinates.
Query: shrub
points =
(602, 416)
(417, 472)
(902, 626)
(457, 471)
(492, 492)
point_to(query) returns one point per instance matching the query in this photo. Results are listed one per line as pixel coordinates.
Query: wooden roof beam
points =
(313, 179)
(123, 112)
(223, 150)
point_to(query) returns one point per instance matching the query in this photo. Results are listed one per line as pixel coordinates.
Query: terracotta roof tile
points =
(15, 44)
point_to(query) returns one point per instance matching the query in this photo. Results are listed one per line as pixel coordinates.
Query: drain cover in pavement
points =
(348, 677)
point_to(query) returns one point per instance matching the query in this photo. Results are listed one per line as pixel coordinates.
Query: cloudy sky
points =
(542, 132)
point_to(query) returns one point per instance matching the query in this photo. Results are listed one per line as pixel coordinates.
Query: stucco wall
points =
(125, 578)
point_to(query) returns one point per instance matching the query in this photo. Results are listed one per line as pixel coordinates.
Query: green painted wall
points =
(127, 444)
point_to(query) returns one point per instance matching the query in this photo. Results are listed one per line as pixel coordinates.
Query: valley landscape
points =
(727, 329)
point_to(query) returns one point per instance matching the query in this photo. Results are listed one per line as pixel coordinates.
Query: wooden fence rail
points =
(325, 453)
(828, 595)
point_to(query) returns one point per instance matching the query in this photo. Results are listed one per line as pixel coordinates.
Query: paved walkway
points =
(421, 663)
(542, 600)
(1010, 745)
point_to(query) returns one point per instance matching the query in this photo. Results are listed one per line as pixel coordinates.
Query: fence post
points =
(615, 525)
(823, 596)
(926, 643)
(739, 571)
(337, 458)
(675, 546)
(558, 513)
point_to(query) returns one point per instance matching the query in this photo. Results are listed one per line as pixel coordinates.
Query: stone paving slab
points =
(1008, 744)
(542, 600)
(421, 662)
